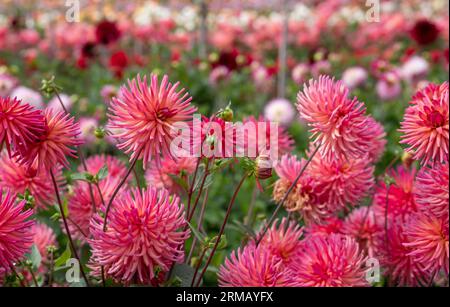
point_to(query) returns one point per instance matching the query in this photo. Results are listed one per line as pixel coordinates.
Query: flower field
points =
(224, 143)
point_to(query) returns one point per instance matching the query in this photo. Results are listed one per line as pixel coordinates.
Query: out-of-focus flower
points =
(29, 96)
(424, 32)
(427, 237)
(16, 236)
(337, 123)
(87, 128)
(378, 143)
(425, 125)
(303, 198)
(7, 83)
(431, 194)
(389, 86)
(118, 62)
(107, 32)
(56, 105)
(54, 145)
(144, 115)
(116, 168)
(299, 73)
(414, 69)
(354, 77)
(43, 237)
(253, 266)
(324, 228)
(279, 110)
(320, 68)
(218, 74)
(18, 179)
(137, 222)
(333, 261)
(20, 124)
(108, 92)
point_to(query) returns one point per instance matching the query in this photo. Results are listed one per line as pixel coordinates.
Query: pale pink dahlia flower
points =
(162, 177)
(333, 261)
(363, 225)
(280, 110)
(55, 144)
(425, 126)
(427, 236)
(145, 114)
(20, 123)
(340, 182)
(304, 198)
(116, 168)
(431, 193)
(378, 143)
(43, 237)
(337, 122)
(18, 178)
(16, 236)
(145, 231)
(253, 266)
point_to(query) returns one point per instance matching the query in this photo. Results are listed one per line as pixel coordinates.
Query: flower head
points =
(145, 114)
(279, 110)
(337, 122)
(144, 232)
(20, 123)
(107, 32)
(116, 168)
(16, 236)
(333, 261)
(426, 124)
(378, 142)
(326, 227)
(424, 32)
(43, 237)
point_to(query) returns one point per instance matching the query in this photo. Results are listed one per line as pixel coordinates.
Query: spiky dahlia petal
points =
(425, 126)
(16, 236)
(145, 231)
(144, 115)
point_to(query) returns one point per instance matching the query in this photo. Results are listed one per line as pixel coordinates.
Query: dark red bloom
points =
(88, 50)
(424, 32)
(118, 62)
(107, 32)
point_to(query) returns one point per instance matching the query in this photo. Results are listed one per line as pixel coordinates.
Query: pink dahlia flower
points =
(378, 143)
(341, 183)
(55, 144)
(325, 227)
(43, 237)
(18, 178)
(253, 266)
(304, 198)
(116, 168)
(354, 77)
(389, 86)
(55, 104)
(337, 122)
(20, 123)
(162, 177)
(427, 237)
(426, 123)
(145, 115)
(29, 96)
(145, 231)
(280, 110)
(431, 193)
(16, 236)
(333, 261)
(363, 225)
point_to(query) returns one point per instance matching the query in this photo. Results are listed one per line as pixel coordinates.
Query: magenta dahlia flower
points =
(253, 266)
(431, 193)
(20, 123)
(332, 261)
(425, 126)
(16, 236)
(55, 144)
(304, 198)
(326, 227)
(143, 116)
(341, 183)
(427, 236)
(337, 122)
(18, 179)
(145, 231)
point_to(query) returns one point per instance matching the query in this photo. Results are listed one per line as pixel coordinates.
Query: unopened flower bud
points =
(263, 168)
(407, 159)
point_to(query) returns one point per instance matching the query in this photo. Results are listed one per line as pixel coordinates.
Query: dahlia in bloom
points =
(283, 240)
(397, 201)
(145, 231)
(55, 104)
(354, 77)
(54, 144)
(337, 122)
(16, 236)
(431, 193)
(107, 32)
(18, 179)
(362, 224)
(425, 126)
(303, 198)
(144, 115)
(280, 110)
(332, 261)
(326, 227)
(427, 236)
(424, 32)
(29, 96)
(43, 237)
(378, 143)
(340, 182)
(253, 266)
(161, 176)
(20, 123)
(116, 168)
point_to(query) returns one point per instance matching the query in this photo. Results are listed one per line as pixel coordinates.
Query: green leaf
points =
(196, 233)
(78, 176)
(61, 261)
(179, 181)
(35, 257)
(245, 229)
(102, 173)
(184, 273)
